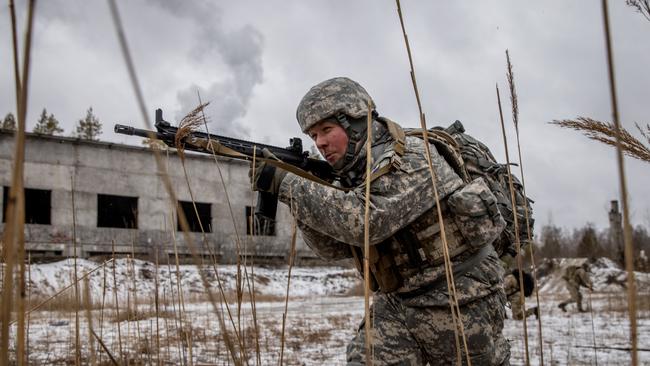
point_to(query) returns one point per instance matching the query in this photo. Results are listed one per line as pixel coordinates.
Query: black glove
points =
(267, 177)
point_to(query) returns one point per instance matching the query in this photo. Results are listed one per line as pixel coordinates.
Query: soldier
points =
(411, 318)
(576, 276)
(511, 286)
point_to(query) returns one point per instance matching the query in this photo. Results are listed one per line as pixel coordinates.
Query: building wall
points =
(78, 170)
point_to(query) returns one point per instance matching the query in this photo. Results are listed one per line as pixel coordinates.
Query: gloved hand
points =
(267, 177)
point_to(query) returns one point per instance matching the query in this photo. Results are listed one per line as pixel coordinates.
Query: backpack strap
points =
(447, 146)
(399, 138)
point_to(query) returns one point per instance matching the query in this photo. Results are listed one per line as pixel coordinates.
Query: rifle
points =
(266, 208)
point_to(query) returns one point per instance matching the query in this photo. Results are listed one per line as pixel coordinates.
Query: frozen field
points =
(324, 310)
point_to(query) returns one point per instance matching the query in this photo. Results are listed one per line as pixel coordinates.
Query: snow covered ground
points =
(324, 310)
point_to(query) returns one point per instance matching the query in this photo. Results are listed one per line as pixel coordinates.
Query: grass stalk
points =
(159, 163)
(366, 240)
(593, 329)
(253, 231)
(183, 333)
(106, 350)
(29, 301)
(13, 236)
(607, 133)
(134, 288)
(189, 123)
(117, 306)
(177, 321)
(627, 228)
(251, 284)
(89, 320)
(449, 275)
(157, 308)
(516, 225)
(292, 256)
(529, 236)
(102, 307)
(529, 233)
(77, 299)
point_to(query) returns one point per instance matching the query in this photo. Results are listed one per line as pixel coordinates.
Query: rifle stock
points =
(266, 208)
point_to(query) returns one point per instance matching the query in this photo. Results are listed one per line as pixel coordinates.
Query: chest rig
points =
(419, 245)
(412, 249)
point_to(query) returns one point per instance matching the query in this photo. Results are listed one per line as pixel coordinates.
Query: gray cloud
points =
(241, 51)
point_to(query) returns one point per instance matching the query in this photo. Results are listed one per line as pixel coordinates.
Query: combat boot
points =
(581, 309)
(562, 306)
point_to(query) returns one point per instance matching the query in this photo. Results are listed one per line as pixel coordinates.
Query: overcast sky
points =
(254, 60)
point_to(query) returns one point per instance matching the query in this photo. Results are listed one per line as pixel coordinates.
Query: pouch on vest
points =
(476, 213)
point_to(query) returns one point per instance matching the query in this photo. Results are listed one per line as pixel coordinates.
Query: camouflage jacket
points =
(331, 220)
(577, 276)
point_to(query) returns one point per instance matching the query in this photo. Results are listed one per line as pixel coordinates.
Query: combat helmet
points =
(345, 101)
(331, 98)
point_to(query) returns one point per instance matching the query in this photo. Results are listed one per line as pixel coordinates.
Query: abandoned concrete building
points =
(108, 196)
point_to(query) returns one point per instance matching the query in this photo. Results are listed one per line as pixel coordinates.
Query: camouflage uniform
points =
(511, 286)
(411, 320)
(574, 277)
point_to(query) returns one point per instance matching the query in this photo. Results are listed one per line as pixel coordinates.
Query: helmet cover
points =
(331, 97)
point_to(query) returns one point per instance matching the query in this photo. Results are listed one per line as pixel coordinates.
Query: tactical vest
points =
(415, 247)
(419, 245)
(412, 249)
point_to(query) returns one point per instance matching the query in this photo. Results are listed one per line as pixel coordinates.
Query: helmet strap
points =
(356, 131)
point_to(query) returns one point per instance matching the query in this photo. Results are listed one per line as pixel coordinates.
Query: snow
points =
(323, 313)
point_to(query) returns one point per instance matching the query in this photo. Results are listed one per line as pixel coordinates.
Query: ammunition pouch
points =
(472, 221)
(476, 213)
(411, 250)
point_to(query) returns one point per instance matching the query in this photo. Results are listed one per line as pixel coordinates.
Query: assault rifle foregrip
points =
(266, 203)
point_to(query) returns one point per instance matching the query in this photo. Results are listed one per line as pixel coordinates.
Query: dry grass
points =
(231, 297)
(133, 315)
(356, 290)
(513, 93)
(641, 6)
(63, 302)
(618, 304)
(190, 123)
(606, 133)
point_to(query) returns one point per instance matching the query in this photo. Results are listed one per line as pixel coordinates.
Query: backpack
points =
(471, 159)
(479, 162)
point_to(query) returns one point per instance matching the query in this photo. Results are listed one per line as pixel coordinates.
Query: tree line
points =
(88, 128)
(589, 242)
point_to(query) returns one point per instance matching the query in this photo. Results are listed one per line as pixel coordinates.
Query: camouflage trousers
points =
(409, 336)
(576, 295)
(516, 306)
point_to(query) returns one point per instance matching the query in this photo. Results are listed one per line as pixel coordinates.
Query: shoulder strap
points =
(447, 146)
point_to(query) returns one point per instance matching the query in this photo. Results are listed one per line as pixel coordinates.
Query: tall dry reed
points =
(449, 274)
(606, 132)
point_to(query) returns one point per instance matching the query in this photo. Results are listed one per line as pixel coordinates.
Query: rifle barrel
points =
(132, 131)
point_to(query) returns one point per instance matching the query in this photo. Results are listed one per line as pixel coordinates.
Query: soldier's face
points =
(331, 140)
